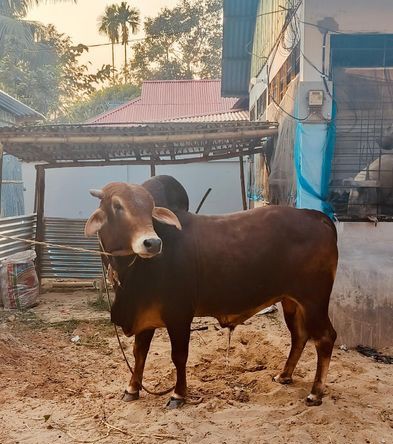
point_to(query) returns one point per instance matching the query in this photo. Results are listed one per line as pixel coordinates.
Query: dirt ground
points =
(54, 390)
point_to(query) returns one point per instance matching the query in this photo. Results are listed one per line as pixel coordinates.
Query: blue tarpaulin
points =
(314, 148)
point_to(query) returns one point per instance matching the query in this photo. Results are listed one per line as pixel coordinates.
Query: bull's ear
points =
(95, 223)
(166, 216)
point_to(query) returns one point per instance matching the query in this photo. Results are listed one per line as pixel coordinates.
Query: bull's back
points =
(247, 258)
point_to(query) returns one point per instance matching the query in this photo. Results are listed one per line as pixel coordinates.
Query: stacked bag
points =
(19, 286)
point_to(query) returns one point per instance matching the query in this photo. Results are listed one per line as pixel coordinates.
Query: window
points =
(253, 114)
(261, 104)
(289, 70)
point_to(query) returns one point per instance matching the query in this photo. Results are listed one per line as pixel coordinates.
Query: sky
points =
(79, 21)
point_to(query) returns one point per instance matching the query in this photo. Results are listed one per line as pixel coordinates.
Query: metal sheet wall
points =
(239, 24)
(20, 226)
(66, 264)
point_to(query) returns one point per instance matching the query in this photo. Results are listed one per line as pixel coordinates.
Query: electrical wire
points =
(272, 55)
(141, 39)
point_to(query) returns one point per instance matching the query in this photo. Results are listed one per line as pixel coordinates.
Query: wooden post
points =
(243, 183)
(39, 208)
(1, 173)
(152, 169)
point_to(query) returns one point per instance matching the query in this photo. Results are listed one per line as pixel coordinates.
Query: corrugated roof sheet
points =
(17, 108)
(230, 116)
(239, 26)
(164, 100)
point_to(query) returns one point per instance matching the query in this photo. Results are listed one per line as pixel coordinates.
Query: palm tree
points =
(108, 24)
(129, 19)
(13, 22)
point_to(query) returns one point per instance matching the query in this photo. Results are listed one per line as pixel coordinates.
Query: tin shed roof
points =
(239, 26)
(163, 100)
(138, 144)
(17, 108)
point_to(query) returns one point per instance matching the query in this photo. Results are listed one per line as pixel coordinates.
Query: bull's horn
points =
(97, 193)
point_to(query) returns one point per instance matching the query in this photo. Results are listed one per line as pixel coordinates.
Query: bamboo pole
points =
(1, 175)
(48, 139)
(147, 162)
(39, 207)
(243, 183)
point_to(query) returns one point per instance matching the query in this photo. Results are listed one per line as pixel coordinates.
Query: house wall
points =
(362, 298)
(339, 15)
(67, 193)
(345, 16)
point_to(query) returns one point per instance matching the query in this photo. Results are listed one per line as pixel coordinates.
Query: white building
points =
(324, 71)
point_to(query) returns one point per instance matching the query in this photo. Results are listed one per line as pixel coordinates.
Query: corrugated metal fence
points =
(20, 226)
(57, 262)
(66, 264)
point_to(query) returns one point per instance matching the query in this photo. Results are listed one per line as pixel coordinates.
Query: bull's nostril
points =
(147, 243)
(152, 245)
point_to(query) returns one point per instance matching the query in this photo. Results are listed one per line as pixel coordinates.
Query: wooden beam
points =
(243, 183)
(39, 208)
(48, 139)
(147, 162)
(1, 174)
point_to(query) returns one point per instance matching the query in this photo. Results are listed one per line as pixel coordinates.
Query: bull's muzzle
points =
(153, 246)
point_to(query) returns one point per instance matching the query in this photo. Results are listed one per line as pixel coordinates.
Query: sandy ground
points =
(55, 391)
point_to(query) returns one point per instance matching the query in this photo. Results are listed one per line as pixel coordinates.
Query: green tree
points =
(108, 24)
(101, 101)
(181, 43)
(13, 22)
(48, 75)
(129, 20)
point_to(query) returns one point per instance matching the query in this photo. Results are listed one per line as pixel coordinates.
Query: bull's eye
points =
(117, 206)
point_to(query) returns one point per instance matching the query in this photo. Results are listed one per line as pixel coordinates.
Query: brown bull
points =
(173, 267)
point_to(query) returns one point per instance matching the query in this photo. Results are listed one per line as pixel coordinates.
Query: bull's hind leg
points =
(141, 348)
(324, 335)
(299, 336)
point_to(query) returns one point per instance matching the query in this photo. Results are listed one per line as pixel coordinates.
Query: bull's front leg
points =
(141, 348)
(180, 339)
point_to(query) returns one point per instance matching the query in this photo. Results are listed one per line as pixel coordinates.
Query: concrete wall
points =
(349, 16)
(67, 188)
(362, 299)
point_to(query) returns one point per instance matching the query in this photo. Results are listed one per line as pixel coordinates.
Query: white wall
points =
(362, 302)
(67, 189)
(351, 16)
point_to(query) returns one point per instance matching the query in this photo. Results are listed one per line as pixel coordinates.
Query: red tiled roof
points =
(163, 100)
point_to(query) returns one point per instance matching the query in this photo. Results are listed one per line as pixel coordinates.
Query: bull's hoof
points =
(175, 403)
(128, 397)
(313, 401)
(282, 380)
